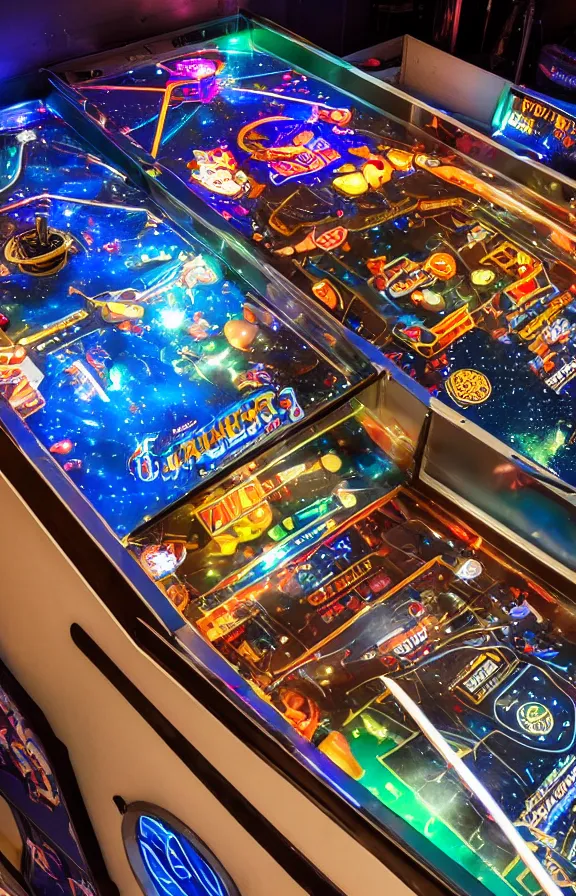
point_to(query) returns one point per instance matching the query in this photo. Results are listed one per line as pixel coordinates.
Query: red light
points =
(416, 608)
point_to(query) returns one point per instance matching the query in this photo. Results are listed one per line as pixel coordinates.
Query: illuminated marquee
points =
(536, 118)
(188, 448)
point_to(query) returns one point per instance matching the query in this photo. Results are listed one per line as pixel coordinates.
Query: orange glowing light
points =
(327, 294)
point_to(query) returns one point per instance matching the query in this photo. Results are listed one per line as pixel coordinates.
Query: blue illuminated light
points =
(532, 120)
(176, 865)
(141, 348)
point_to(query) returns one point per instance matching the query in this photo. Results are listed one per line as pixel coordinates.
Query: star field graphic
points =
(410, 246)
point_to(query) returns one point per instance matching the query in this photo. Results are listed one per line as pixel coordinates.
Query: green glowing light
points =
(217, 359)
(439, 827)
(542, 450)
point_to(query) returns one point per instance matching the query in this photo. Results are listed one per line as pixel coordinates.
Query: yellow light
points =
(482, 277)
(353, 184)
(331, 462)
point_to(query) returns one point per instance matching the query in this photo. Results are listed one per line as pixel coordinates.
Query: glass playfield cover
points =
(461, 277)
(387, 633)
(139, 360)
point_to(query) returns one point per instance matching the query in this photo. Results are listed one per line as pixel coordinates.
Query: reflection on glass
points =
(138, 359)
(505, 489)
(461, 277)
(382, 628)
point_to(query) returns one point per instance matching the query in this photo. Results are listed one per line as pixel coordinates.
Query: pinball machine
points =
(288, 458)
(462, 276)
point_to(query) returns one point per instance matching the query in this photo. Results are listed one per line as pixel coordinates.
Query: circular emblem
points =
(468, 386)
(535, 718)
(441, 265)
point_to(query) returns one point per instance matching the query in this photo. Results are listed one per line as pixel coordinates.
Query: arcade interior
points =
(288, 448)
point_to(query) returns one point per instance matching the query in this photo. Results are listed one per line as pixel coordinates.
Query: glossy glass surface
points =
(136, 357)
(230, 541)
(534, 506)
(459, 275)
(384, 630)
(539, 126)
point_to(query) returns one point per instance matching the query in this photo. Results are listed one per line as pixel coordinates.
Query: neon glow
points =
(122, 336)
(196, 68)
(440, 262)
(177, 866)
(538, 124)
(188, 448)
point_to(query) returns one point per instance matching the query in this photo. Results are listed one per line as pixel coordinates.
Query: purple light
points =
(196, 68)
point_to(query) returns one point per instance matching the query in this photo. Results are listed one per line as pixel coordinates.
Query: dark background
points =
(41, 32)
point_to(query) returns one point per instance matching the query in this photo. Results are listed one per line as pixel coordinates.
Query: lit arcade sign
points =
(190, 448)
(535, 122)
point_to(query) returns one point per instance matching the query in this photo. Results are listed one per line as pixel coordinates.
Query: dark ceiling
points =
(41, 32)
